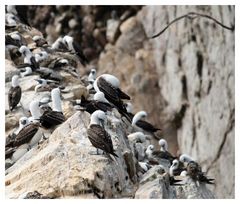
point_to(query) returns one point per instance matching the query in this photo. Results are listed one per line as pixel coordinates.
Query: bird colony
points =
(102, 99)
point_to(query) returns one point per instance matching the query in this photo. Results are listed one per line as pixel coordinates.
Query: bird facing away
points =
(97, 135)
(15, 93)
(76, 48)
(194, 170)
(55, 116)
(109, 85)
(136, 121)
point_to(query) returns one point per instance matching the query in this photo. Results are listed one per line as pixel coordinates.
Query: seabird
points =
(10, 20)
(176, 168)
(55, 117)
(164, 149)
(29, 135)
(59, 45)
(156, 155)
(20, 12)
(76, 48)
(109, 85)
(39, 57)
(9, 149)
(98, 135)
(137, 137)
(194, 170)
(29, 59)
(172, 170)
(25, 71)
(99, 102)
(40, 41)
(145, 166)
(136, 120)
(46, 85)
(13, 40)
(15, 93)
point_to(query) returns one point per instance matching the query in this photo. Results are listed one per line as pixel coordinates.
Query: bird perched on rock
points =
(194, 170)
(14, 93)
(156, 155)
(29, 59)
(40, 41)
(97, 135)
(55, 116)
(137, 121)
(73, 46)
(109, 85)
(19, 11)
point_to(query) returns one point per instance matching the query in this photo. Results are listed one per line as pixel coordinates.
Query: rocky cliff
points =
(183, 78)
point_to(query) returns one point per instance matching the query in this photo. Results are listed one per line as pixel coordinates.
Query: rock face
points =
(184, 80)
(64, 165)
(195, 65)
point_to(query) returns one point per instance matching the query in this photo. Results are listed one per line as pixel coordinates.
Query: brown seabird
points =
(98, 135)
(15, 93)
(194, 170)
(136, 120)
(109, 85)
(55, 116)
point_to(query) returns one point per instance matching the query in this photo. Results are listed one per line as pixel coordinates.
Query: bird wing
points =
(26, 134)
(108, 90)
(34, 63)
(14, 96)
(51, 118)
(80, 54)
(100, 138)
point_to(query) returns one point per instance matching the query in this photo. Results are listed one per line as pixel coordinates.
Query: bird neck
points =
(35, 111)
(15, 82)
(56, 103)
(136, 118)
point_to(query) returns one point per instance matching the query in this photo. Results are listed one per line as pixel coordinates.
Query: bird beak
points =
(102, 123)
(38, 80)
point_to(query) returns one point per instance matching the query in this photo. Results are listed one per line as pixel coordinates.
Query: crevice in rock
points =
(184, 87)
(229, 128)
(193, 131)
(179, 116)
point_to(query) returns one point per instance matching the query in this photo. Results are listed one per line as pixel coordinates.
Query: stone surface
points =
(65, 156)
(195, 65)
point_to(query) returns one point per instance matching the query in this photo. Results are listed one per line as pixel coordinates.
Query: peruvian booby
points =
(99, 102)
(9, 149)
(29, 59)
(109, 85)
(59, 45)
(76, 48)
(137, 137)
(136, 120)
(98, 135)
(164, 149)
(40, 41)
(25, 71)
(29, 133)
(173, 168)
(13, 40)
(194, 170)
(39, 57)
(145, 166)
(46, 85)
(15, 93)
(19, 11)
(156, 155)
(55, 117)
(10, 20)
